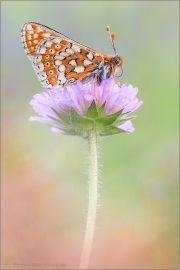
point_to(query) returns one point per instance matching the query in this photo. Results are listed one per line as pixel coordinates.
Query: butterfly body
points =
(59, 60)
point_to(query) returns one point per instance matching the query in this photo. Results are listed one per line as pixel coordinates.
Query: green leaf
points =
(112, 131)
(80, 122)
(101, 109)
(92, 111)
(104, 122)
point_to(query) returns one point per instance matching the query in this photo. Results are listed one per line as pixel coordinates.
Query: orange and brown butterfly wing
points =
(58, 60)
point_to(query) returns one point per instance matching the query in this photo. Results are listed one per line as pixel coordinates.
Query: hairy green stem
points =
(93, 184)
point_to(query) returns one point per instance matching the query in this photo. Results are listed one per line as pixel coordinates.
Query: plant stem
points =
(93, 184)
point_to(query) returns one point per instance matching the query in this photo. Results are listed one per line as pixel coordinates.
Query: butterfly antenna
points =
(112, 37)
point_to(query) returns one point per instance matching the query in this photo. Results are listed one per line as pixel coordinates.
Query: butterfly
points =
(59, 61)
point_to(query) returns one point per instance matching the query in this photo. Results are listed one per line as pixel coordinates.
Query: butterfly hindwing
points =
(59, 60)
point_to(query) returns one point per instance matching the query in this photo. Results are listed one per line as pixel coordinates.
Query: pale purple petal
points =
(56, 130)
(80, 96)
(127, 126)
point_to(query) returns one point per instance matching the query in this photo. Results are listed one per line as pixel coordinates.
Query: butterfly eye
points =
(51, 72)
(116, 60)
(47, 64)
(47, 56)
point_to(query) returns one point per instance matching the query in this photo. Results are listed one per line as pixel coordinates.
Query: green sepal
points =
(80, 122)
(72, 132)
(101, 109)
(65, 118)
(69, 131)
(78, 125)
(112, 131)
(92, 110)
(122, 121)
(103, 122)
(60, 122)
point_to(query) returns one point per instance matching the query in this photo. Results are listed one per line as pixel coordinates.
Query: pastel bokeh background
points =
(44, 180)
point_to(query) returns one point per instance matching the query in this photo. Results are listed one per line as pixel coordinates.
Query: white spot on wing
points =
(61, 78)
(62, 68)
(64, 54)
(76, 48)
(48, 43)
(70, 51)
(40, 67)
(58, 62)
(87, 62)
(42, 49)
(73, 63)
(29, 27)
(78, 69)
(42, 75)
(90, 56)
(47, 84)
(57, 40)
(38, 58)
(59, 57)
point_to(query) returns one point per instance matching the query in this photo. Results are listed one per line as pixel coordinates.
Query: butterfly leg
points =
(114, 77)
(94, 90)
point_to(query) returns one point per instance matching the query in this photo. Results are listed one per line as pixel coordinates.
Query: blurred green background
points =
(44, 175)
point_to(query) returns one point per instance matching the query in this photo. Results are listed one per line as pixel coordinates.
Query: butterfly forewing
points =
(59, 60)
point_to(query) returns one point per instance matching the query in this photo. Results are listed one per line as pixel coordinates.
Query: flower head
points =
(75, 110)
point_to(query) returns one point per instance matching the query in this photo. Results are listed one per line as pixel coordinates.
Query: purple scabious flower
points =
(80, 108)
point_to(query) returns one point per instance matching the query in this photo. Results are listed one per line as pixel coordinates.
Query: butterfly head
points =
(117, 61)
